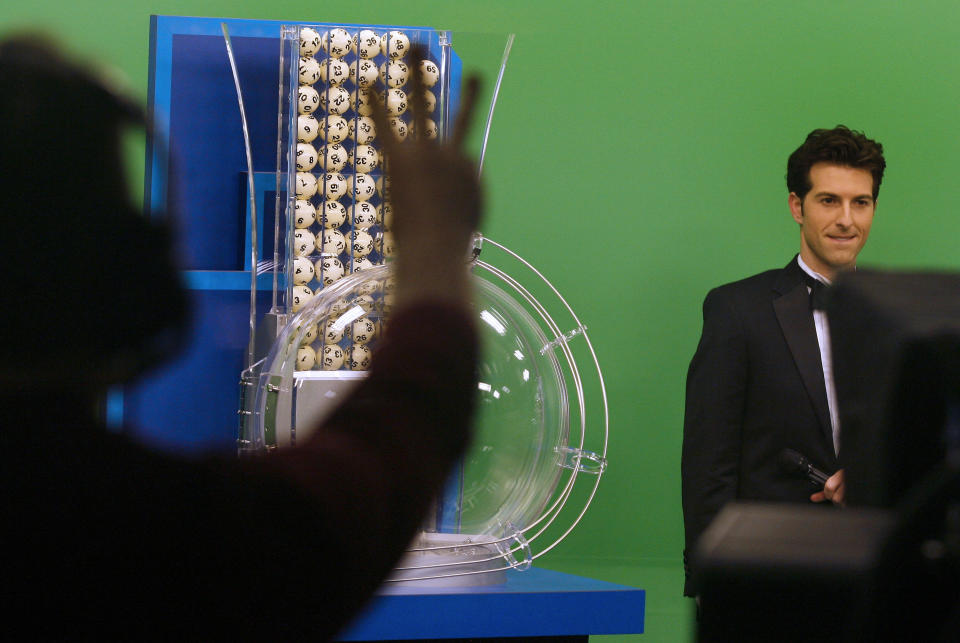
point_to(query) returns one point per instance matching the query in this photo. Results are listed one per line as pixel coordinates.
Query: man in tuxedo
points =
(761, 379)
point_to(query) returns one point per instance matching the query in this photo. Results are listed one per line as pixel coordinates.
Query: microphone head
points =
(793, 462)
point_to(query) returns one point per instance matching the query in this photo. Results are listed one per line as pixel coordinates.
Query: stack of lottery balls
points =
(342, 217)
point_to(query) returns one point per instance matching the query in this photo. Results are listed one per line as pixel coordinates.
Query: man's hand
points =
(833, 490)
(436, 199)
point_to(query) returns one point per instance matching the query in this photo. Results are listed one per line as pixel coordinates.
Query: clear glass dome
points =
(526, 456)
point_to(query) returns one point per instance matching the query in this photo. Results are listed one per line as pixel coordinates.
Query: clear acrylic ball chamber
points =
(528, 477)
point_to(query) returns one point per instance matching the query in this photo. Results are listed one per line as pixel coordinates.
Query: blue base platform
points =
(533, 603)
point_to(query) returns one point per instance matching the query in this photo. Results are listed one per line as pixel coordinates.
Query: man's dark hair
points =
(839, 146)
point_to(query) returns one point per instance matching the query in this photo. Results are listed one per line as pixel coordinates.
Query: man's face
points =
(834, 217)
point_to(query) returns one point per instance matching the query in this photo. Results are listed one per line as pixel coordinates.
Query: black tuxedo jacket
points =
(754, 387)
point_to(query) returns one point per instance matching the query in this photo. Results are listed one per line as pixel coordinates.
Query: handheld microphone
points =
(796, 463)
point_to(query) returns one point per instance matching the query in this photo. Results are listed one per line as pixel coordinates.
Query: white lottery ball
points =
(303, 243)
(366, 302)
(332, 332)
(362, 187)
(331, 357)
(333, 128)
(366, 44)
(331, 242)
(309, 41)
(394, 44)
(306, 157)
(359, 265)
(307, 99)
(306, 358)
(334, 71)
(334, 185)
(364, 159)
(368, 288)
(310, 335)
(336, 100)
(386, 215)
(363, 215)
(304, 214)
(388, 246)
(333, 157)
(399, 127)
(309, 70)
(363, 330)
(363, 130)
(302, 271)
(364, 73)
(301, 297)
(307, 128)
(333, 214)
(361, 243)
(430, 129)
(361, 102)
(336, 42)
(306, 185)
(394, 73)
(396, 101)
(429, 101)
(330, 270)
(429, 72)
(359, 357)
(338, 307)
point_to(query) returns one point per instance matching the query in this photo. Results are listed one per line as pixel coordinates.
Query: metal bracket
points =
(581, 461)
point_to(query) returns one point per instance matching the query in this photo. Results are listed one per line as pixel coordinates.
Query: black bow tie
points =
(818, 291)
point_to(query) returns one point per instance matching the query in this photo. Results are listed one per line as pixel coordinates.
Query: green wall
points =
(637, 159)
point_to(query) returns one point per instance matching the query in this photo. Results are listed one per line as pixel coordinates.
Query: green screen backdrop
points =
(637, 159)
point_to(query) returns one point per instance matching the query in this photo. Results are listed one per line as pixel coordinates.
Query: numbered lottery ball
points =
(399, 128)
(334, 128)
(386, 215)
(368, 288)
(363, 130)
(331, 242)
(332, 215)
(394, 73)
(336, 100)
(333, 157)
(361, 243)
(304, 214)
(430, 131)
(365, 301)
(306, 185)
(429, 72)
(394, 44)
(364, 159)
(364, 73)
(332, 332)
(302, 271)
(359, 357)
(309, 70)
(334, 71)
(301, 297)
(388, 246)
(361, 102)
(363, 331)
(307, 128)
(359, 265)
(310, 334)
(307, 99)
(366, 44)
(336, 42)
(303, 243)
(362, 187)
(309, 41)
(330, 270)
(306, 358)
(331, 357)
(363, 215)
(306, 157)
(429, 101)
(396, 102)
(334, 186)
